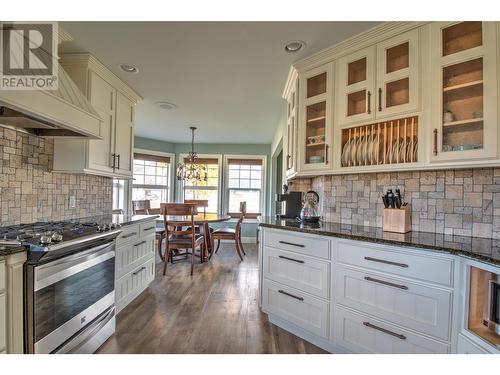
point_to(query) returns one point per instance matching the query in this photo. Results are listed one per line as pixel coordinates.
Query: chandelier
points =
(191, 170)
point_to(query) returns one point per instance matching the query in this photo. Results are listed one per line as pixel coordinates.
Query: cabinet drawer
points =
(363, 334)
(305, 311)
(466, 346)
(408, 264)
(2, 275)
(129, 233)
(128, 256)
(298, 271)
(3, 323)
(299, 243)
(147, 229)
(133, 283)
(422, 308)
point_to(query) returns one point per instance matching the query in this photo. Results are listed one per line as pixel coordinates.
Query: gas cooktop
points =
(55, 235)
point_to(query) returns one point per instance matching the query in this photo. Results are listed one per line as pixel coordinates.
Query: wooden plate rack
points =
(387, 142)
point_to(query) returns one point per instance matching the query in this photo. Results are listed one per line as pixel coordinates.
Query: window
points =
(205, 189)
(151, 179)
(118, 194)
(245, 182)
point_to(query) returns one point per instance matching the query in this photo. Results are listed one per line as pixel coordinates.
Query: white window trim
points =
(263, 177)
(180, 184)
(172, 169)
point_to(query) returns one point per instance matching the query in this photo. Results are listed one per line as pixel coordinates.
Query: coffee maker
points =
(291, 203)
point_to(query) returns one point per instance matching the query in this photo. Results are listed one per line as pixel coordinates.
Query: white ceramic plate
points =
(352, 158)
(345, 153)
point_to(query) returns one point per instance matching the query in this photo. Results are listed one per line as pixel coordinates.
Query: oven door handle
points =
(50, 273)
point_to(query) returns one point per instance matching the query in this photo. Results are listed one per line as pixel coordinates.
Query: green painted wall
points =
(249, 229)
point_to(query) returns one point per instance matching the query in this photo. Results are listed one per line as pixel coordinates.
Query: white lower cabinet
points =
(3, 323)
(305, 311)
(135, 263)
(305, 273)
(355, 296)
(419, 307)
(365, 334)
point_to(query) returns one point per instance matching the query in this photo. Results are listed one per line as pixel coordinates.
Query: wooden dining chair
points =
(200, 203)
(175, 237)
(143, 207)
(231, 233)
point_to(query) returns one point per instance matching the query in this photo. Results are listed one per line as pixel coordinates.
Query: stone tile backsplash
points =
(462, 202)
(30, 191)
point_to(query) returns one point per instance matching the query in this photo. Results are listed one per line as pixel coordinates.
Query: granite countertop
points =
(131, 219)
(482, 249)
(9, 250)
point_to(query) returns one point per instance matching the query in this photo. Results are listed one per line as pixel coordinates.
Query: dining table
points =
(201, 219)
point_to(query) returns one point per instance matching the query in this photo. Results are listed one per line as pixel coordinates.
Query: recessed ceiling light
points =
(166, 105)
(128, 68)
(294, 45)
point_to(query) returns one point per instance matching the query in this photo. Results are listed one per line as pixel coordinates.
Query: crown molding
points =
(95, 65)
(367, 38)
(63, 35)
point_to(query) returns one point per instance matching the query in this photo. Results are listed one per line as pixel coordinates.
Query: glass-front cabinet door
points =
(397, 74)
(315, 130)
(464, 79)
(356, 85)
(291, 132)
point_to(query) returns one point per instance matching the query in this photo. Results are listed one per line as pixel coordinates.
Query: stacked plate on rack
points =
(368, 150)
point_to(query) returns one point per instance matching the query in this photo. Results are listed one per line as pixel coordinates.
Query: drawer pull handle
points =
(404, 287)
(292, 244)
(129, 235)
(149, 228)
(140, 243)
(290, 295)
(399, 336)
(293, 260)
(386, 262)
(138, 271)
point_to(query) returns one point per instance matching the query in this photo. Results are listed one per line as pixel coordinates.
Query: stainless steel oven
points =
(70, 300)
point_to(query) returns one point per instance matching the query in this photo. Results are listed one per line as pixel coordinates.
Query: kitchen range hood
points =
(64, 112)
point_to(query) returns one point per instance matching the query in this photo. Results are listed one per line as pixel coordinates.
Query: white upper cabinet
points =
(463, 90)
(315, 128)
(114, 101)
(103, 99)
(124, 134)
(290, 142)
(398, 74)
(379, 81)
(356, 86)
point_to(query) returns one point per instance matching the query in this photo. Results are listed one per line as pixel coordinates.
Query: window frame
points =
(263, 197)
(172, 167)
(220, 187)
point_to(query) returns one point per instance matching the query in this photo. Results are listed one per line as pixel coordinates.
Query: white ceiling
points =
(225, 77)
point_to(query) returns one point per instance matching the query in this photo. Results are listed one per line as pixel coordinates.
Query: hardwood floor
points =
(215, 311)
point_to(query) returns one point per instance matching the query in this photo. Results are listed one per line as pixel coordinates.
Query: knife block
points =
(397, 220)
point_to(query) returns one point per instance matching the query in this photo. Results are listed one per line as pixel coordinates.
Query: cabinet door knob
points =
(369, 102)
(435, 141)
(118, 156)
(373, 326)
(379, 99)
(326, 154)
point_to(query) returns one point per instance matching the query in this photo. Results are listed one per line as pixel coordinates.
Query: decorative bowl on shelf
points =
(316, 159)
